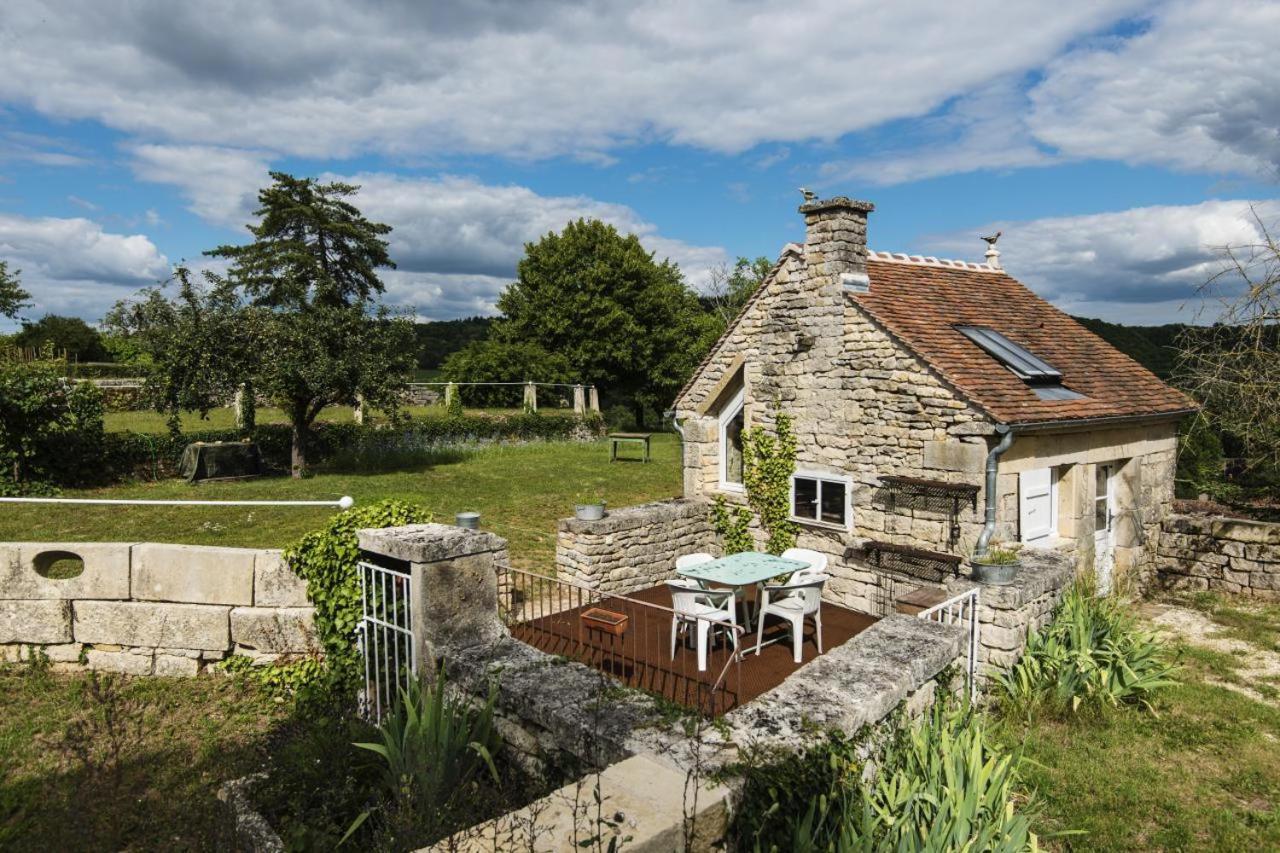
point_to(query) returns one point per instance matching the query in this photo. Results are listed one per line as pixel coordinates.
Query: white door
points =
(1104, 539)
(1036, 511)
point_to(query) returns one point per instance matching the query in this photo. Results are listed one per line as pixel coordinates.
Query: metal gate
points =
(385, 638)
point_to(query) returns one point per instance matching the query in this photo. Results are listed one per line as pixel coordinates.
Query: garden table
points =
(748, 568)
(616, 438)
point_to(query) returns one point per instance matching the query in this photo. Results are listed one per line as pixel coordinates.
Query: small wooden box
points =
(919, 600)
(605, 621)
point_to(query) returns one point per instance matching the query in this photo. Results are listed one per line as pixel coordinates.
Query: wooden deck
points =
(638, 653)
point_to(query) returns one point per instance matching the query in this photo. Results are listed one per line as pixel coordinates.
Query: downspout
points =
(993, 497)
(675, 424)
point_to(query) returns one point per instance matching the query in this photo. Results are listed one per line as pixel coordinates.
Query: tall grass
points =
(1092, 655)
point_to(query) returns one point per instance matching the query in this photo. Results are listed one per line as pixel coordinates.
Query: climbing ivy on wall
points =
(326, 559)
(769, 460)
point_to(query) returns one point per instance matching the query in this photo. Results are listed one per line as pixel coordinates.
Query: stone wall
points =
(635, 547)
(1220, 554)
(149, 608)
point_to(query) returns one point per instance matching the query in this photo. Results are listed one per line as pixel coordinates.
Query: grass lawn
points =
(154, 422)
(520, 490)
(71, 780)
(1202, 775)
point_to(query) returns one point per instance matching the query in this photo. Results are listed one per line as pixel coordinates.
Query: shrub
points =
(50, 428)
(326, 559)
(433, 749)
(1090, 656)
(940, 784)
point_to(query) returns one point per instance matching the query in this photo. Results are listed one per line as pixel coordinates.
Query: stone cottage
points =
(938, 406)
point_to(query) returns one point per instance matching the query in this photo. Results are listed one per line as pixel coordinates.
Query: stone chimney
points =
(835, 242)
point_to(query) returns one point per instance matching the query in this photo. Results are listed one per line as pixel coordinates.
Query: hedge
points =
(154, 456)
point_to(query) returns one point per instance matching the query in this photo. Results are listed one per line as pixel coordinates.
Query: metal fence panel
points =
(385, 638)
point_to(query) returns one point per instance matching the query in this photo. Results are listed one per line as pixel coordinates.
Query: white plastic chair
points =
(704, 608)
(816, 559)
(793, 601)
(688, 561)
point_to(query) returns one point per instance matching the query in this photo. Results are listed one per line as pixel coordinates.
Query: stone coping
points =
(638, 515)
(428, 543)
(1222, 527)
(1042, 571)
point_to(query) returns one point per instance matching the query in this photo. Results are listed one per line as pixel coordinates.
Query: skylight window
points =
(1045, 379)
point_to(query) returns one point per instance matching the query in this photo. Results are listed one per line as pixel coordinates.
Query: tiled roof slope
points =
(921, 304)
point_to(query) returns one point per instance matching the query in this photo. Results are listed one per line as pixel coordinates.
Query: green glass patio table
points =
(747, 568)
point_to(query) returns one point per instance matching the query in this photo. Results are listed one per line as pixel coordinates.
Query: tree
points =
(295, 319)
(502, 361)
(12, 297)
(1233, 366)
(729, 289)
(626, 323)
(48, 425)
(69, 335)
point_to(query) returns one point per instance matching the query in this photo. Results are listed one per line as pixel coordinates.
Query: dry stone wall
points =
(635, 547)
(149, 608)
(1220, 554)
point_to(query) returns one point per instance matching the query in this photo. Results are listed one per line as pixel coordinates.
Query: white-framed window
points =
(732, 424)
(1038, 504)
(822, 499)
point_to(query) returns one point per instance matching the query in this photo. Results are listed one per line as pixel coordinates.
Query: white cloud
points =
(1134, 266)
(220, 184)
(72, 266)
(554, 77)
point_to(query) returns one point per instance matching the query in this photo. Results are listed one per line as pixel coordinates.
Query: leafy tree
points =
(439, 339)
(12, 297)
(1233, 366)
(69, 335)
(730, 289)
(49, 426)
(502, 361)
(626, 322)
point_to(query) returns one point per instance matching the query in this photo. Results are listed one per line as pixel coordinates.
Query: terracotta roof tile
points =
(921, 303)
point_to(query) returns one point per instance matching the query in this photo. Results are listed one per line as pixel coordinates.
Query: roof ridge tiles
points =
(929, 261)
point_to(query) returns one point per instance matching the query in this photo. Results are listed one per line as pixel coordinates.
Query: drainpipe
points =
(675, 424)
(993, 470)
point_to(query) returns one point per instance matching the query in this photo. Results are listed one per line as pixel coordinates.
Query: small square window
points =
(820, 500)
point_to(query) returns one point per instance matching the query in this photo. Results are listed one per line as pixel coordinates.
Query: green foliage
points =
(453, 403)
(997, 556)
(503, 361)
(731, 288)
(50, 428)
(1200, 459)
(326, 559)
(12, 297)
(768, 463)
(1091, 656)
(439, 339)
(284, 680)
(70, 337)
(434, 748)
(733, 526)
(940, 785)
(625, 322)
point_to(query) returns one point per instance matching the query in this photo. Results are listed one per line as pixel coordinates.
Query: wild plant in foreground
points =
(1091, 655)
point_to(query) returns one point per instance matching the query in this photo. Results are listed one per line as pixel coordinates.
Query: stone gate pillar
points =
(594, 398)
(579, 401)
(531, 396)
(454, 585)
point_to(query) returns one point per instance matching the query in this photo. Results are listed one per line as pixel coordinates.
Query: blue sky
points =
(1116, 144)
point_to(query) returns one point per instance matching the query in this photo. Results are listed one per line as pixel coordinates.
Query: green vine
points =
(768, 463)
(326, 559)
(733, 527)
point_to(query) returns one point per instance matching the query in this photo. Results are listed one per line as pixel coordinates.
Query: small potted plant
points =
(589, 507)
(997, 567)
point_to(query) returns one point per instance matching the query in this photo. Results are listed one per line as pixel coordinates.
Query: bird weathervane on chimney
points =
(993, 254)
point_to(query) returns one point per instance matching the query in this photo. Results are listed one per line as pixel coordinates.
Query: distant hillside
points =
(439, 339)
(1151, 346)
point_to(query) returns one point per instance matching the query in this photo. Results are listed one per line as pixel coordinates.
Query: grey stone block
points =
(276, 630)
(130, 623)
(275, 584)
(176, 666)
(428, 543)
(105, 575)
(193, 574)
(38, 622)
(127, 663)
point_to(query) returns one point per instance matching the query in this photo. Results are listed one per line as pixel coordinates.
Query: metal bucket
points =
(1001, 574)
(469, 520)
(589, 512)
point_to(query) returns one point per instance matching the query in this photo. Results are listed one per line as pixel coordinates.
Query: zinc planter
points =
(995, 574)
(589, 512)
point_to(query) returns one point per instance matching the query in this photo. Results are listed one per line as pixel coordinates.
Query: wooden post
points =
(357, 414)
(531, 396)
(595, 399)
(579, 400)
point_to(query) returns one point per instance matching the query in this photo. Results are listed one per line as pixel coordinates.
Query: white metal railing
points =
(960, 610)
(385, 637)
(344, 502)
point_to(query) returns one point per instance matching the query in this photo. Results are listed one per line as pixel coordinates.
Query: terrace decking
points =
(638, 653)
